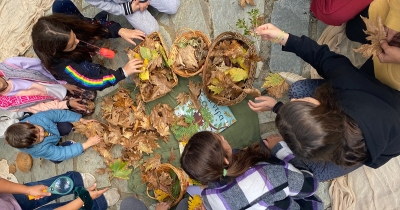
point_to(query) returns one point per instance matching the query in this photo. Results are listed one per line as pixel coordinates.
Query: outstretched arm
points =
(15, 188)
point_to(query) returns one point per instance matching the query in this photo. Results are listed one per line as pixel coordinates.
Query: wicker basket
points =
(208, 67)
(154, 36)
(174, 50)
(182, 180)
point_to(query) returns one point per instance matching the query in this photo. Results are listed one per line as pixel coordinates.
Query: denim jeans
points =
(66, 7)
(98, 204)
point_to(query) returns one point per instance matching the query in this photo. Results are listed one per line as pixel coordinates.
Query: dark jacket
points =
(374, 106)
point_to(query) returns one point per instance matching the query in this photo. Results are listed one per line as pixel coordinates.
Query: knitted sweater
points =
(48, 148)
(266, 186)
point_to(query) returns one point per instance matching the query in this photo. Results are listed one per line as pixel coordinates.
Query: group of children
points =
(328, 129)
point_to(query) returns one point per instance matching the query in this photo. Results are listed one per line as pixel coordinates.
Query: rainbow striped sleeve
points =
(89, 82)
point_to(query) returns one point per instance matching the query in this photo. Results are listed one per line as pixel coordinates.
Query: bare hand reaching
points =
(91, 141)
(129, 35)
(272, 33)
(133, 66)
(74, 103)
(265, 103)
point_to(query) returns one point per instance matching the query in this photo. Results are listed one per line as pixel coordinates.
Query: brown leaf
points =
(278, 91)
(375, 33)
(12, 168)
(172, 155)
(182, 98)
(188, 57)
(181, 121)
(101, 171)
(152, 163)
(253, 92)
(194, 92)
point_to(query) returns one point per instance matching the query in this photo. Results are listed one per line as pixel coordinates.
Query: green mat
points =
(243, 132)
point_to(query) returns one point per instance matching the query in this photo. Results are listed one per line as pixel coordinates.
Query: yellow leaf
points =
(273, 80)
(195, 202)
(237, 74)
(160, 195)
(216, 89)
(145, 75)
(240, 61)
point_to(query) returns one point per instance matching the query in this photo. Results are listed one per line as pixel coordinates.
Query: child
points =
(56, 41)
(136, 12)
(14, 195)
(39, 134)
(248, 178)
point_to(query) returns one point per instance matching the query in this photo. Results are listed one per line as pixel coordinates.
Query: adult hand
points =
(133, 66)
(272, 140)
(84, 121)
(95, 193)
(72, 88)
(390, 33)
(143, 6)
(74, 103)
(37, 191)
(129, 35)
(265, 103)
(135, 5)
(272, 33)
(390, 54)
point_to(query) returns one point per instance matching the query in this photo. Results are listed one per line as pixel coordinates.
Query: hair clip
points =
(224, 172)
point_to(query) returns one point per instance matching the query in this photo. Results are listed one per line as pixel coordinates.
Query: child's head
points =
(207, 155)
(204, 157)
(24, 135)
(52, 35)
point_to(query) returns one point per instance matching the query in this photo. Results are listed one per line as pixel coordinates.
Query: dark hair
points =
(21, 135)
(203, 158)
(323, 132)
(50, 36)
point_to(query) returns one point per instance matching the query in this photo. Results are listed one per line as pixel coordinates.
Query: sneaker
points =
(88, 180)
(112, 196)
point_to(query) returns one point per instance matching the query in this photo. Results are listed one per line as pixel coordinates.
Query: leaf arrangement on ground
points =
(375, 33)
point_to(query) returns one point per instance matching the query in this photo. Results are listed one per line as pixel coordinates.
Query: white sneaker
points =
(112, 196)
(88, 180)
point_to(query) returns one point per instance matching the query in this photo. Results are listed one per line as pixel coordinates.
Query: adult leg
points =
(304, 88)
(32, 204)
(66, 7)
(324, 171)
(166, 6)
(355, 27)
(143, 21)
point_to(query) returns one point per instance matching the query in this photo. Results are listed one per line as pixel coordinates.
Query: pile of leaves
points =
(375, 34)
(157, 79)
(163, 181)
(243, 3)
(228, 70)
(276, 85)
(189, 55)
(128, 126)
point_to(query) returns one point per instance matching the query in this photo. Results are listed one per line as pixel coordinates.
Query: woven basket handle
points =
(182, 30)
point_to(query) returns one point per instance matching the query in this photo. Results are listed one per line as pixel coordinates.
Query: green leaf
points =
(176, 185)
(216, 89)
(145, 53)
(120, 170)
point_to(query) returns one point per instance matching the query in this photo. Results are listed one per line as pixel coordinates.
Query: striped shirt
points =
(266, 186)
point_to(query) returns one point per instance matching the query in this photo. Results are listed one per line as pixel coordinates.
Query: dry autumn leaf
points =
(243, 3)
(182, 98)
(194, 92)
(276, 85)
(375, 34)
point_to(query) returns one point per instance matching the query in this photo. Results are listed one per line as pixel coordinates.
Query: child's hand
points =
(129, 35)
(37, 191)
(135, 5)
(73, 88)
(265, 103)
(162, 206)
(133, 66)
(84, 121)
(74, 103)
(272, 140)
(143, 6)
(272, 33)
(91, 141)
(95, 193)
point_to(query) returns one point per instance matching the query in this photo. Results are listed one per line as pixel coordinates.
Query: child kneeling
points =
(39, 134)
(249, 178)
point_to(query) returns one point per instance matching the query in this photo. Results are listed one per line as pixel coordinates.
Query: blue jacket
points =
(48, 148)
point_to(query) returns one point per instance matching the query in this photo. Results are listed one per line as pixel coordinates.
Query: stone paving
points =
(212, 17)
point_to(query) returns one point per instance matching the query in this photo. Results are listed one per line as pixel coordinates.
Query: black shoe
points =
(101, 16)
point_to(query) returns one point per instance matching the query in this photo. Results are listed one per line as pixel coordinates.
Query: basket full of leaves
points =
(229, 69)
(166, 182)
(189, 52)
(157, 78)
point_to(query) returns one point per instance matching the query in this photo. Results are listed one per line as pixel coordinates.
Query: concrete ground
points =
(211, 17)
